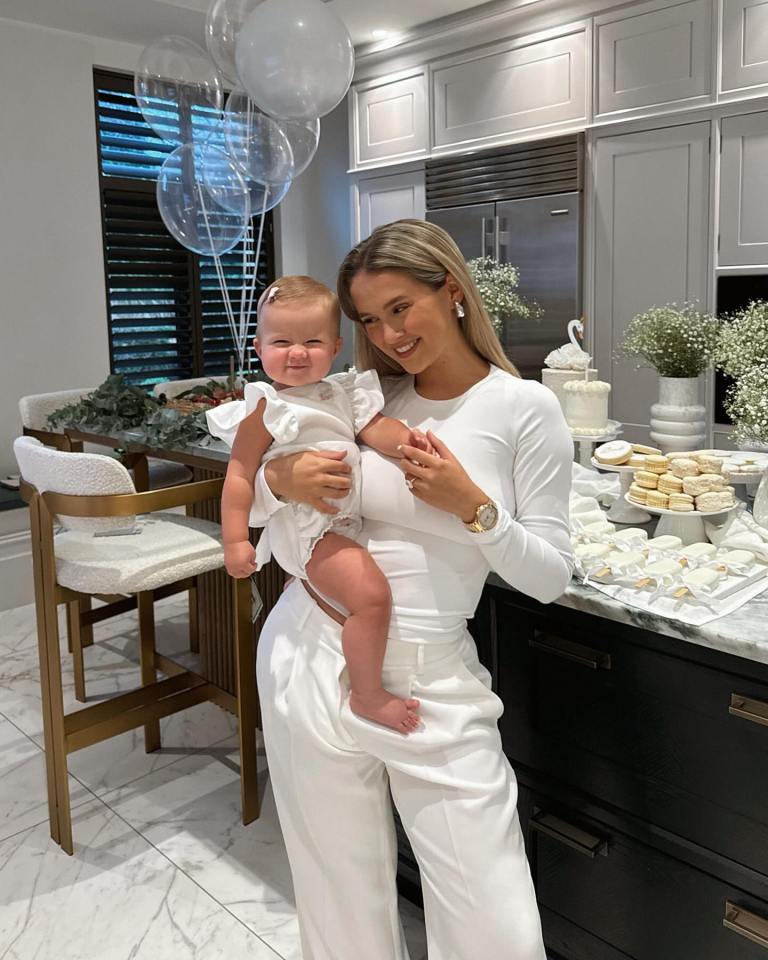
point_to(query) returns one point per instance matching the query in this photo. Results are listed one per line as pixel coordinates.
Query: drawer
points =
(677, 743)
(634, 900)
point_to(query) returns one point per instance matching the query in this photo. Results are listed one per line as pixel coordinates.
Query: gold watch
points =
(486, 516)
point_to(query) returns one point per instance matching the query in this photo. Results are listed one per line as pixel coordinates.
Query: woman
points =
(493, 498)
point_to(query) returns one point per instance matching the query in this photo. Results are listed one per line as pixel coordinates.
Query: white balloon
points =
(222, 25)
(303, 136)
(295, 58)
(256, 142)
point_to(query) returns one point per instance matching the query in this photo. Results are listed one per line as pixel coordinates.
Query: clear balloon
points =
(222, 25)
(274, 193)
(295, 58)
(215, 180)
(255, 142)
(303, 136)
(178, 89)
(203, 199)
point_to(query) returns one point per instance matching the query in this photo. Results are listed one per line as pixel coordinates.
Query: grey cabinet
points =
(743, 197)
(650, 247)
(745, 45)
(504, 87)
(389, 118)
(651, 55)
(384, 199)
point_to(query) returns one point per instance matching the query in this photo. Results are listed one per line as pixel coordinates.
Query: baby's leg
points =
(344, 571)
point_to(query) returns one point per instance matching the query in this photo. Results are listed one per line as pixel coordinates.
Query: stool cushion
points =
(166, 547)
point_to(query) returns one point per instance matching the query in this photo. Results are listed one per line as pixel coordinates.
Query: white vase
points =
(678, 419)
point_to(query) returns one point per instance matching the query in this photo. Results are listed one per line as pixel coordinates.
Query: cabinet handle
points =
(567, 834)
(570, 650)
(748, 709)
(559, 213)
(749, 925)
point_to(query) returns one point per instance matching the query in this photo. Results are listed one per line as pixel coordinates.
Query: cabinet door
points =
(509, 87)
(743, 197)
(745, 44)
(384, 199)
(653, 58)
(390, 118)
(651, 200)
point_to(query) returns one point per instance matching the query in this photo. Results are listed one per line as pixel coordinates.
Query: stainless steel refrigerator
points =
(541, 236)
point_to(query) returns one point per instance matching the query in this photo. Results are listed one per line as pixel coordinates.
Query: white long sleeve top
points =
(511, 438)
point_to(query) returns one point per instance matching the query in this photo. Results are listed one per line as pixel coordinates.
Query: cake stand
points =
(688, 526)
(587, 441)
(623, 510)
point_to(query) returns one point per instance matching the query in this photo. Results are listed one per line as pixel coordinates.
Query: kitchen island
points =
(641, 750)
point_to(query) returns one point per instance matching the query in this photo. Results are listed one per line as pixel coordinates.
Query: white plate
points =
(682, 513)
(614, 467)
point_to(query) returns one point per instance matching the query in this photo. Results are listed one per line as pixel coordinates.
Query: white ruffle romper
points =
(327, 415)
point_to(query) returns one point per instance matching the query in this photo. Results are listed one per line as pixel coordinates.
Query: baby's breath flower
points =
(676, 341)
(744, 340)
(747, 405)
(496, 283)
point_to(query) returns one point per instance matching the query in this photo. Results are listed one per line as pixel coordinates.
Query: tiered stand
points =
(623, 510)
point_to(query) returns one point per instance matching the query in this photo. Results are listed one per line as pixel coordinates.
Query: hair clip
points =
(272, 295)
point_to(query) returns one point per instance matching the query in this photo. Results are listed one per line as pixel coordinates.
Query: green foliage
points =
(497, 284)
(676, 341)
(113, 406)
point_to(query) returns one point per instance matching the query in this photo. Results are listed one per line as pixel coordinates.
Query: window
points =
(165, 311)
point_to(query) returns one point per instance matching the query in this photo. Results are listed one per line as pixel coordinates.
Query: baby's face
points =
(296, 342)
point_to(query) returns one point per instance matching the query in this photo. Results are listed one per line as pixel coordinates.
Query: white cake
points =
(586, 406)
(556, 379)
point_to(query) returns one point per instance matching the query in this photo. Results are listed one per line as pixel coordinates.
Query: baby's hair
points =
(298, 289)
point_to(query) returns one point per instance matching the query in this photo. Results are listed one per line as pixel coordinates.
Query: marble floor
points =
(163, 869)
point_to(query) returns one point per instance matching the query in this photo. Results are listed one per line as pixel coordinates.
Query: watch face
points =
(487, 515)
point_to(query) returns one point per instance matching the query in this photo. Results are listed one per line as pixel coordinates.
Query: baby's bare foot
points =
(387, 709)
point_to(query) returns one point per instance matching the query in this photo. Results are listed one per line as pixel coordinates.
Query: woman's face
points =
(405, 319)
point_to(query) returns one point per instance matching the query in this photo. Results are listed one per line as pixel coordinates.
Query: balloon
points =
(178, 89)
(222, 25)
(214, 174)
(303, 136)
(274, 192)
(203, 200)
(255, 142)
(295, 58)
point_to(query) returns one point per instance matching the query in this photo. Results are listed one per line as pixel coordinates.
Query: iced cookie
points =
(704, 483)
(656, 463)
(637, 493)
(669, 483)
(614, 453)
(681, 502)
(644, 478)
(658, 500)
(715, 500)
(684, 467)
(647, 451)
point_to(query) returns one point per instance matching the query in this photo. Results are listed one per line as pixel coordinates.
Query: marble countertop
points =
(743, 633)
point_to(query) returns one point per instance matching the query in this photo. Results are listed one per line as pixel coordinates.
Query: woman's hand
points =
(440, 480)
(309, 477)
(240, 559)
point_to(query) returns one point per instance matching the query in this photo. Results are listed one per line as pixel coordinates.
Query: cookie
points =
(708, 464)
(669, 483)
(637, 460)
(682, 455)
(644, 478)
(641, 448)
(614, 453)
(637, 493)
(656, 463)
(681, 502)
(703, 484)
(658, 500)
(684, 467)
(714, 500)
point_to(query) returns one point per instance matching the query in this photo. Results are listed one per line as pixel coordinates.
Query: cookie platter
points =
(623, 510)
(688, 525)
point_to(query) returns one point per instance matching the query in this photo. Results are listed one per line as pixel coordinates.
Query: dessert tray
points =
(688, 525)
(623, 510)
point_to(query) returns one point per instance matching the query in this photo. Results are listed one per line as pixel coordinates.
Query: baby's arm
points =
(251, 443)
(387, 435)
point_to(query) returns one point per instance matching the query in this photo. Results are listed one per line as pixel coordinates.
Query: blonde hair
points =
(300, 289)
(427, 254)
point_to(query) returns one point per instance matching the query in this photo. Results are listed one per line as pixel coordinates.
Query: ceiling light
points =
(379, 34)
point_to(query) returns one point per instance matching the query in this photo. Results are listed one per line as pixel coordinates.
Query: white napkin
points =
(590, 483)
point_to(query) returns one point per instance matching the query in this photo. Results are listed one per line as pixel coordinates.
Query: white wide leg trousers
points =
(453, 787)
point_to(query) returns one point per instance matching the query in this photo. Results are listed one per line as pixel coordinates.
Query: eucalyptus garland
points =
(497, 285)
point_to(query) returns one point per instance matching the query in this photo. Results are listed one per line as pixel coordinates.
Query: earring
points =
(459, 310)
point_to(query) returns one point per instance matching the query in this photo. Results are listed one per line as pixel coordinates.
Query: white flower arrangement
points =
(675, 341)
(497, 284)
(744, 340)
(747, 405)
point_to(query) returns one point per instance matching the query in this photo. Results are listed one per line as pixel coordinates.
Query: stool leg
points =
(146, 608)
(86, 630)
(74, 632)
(194, 627)
(247, 699)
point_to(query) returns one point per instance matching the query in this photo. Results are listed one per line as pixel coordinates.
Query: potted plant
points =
(679, 342)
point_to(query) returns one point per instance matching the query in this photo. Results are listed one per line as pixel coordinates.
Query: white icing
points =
(567, 357)
(586, 406)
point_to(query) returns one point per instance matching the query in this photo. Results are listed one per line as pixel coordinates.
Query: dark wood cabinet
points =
(642, 764)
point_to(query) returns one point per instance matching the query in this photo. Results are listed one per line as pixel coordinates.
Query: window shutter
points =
(165, 308)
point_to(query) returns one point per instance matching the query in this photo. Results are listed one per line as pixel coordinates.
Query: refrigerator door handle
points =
(500, 239)
(485, 233)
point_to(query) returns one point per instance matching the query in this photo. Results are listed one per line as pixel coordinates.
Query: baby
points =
(297, 339)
